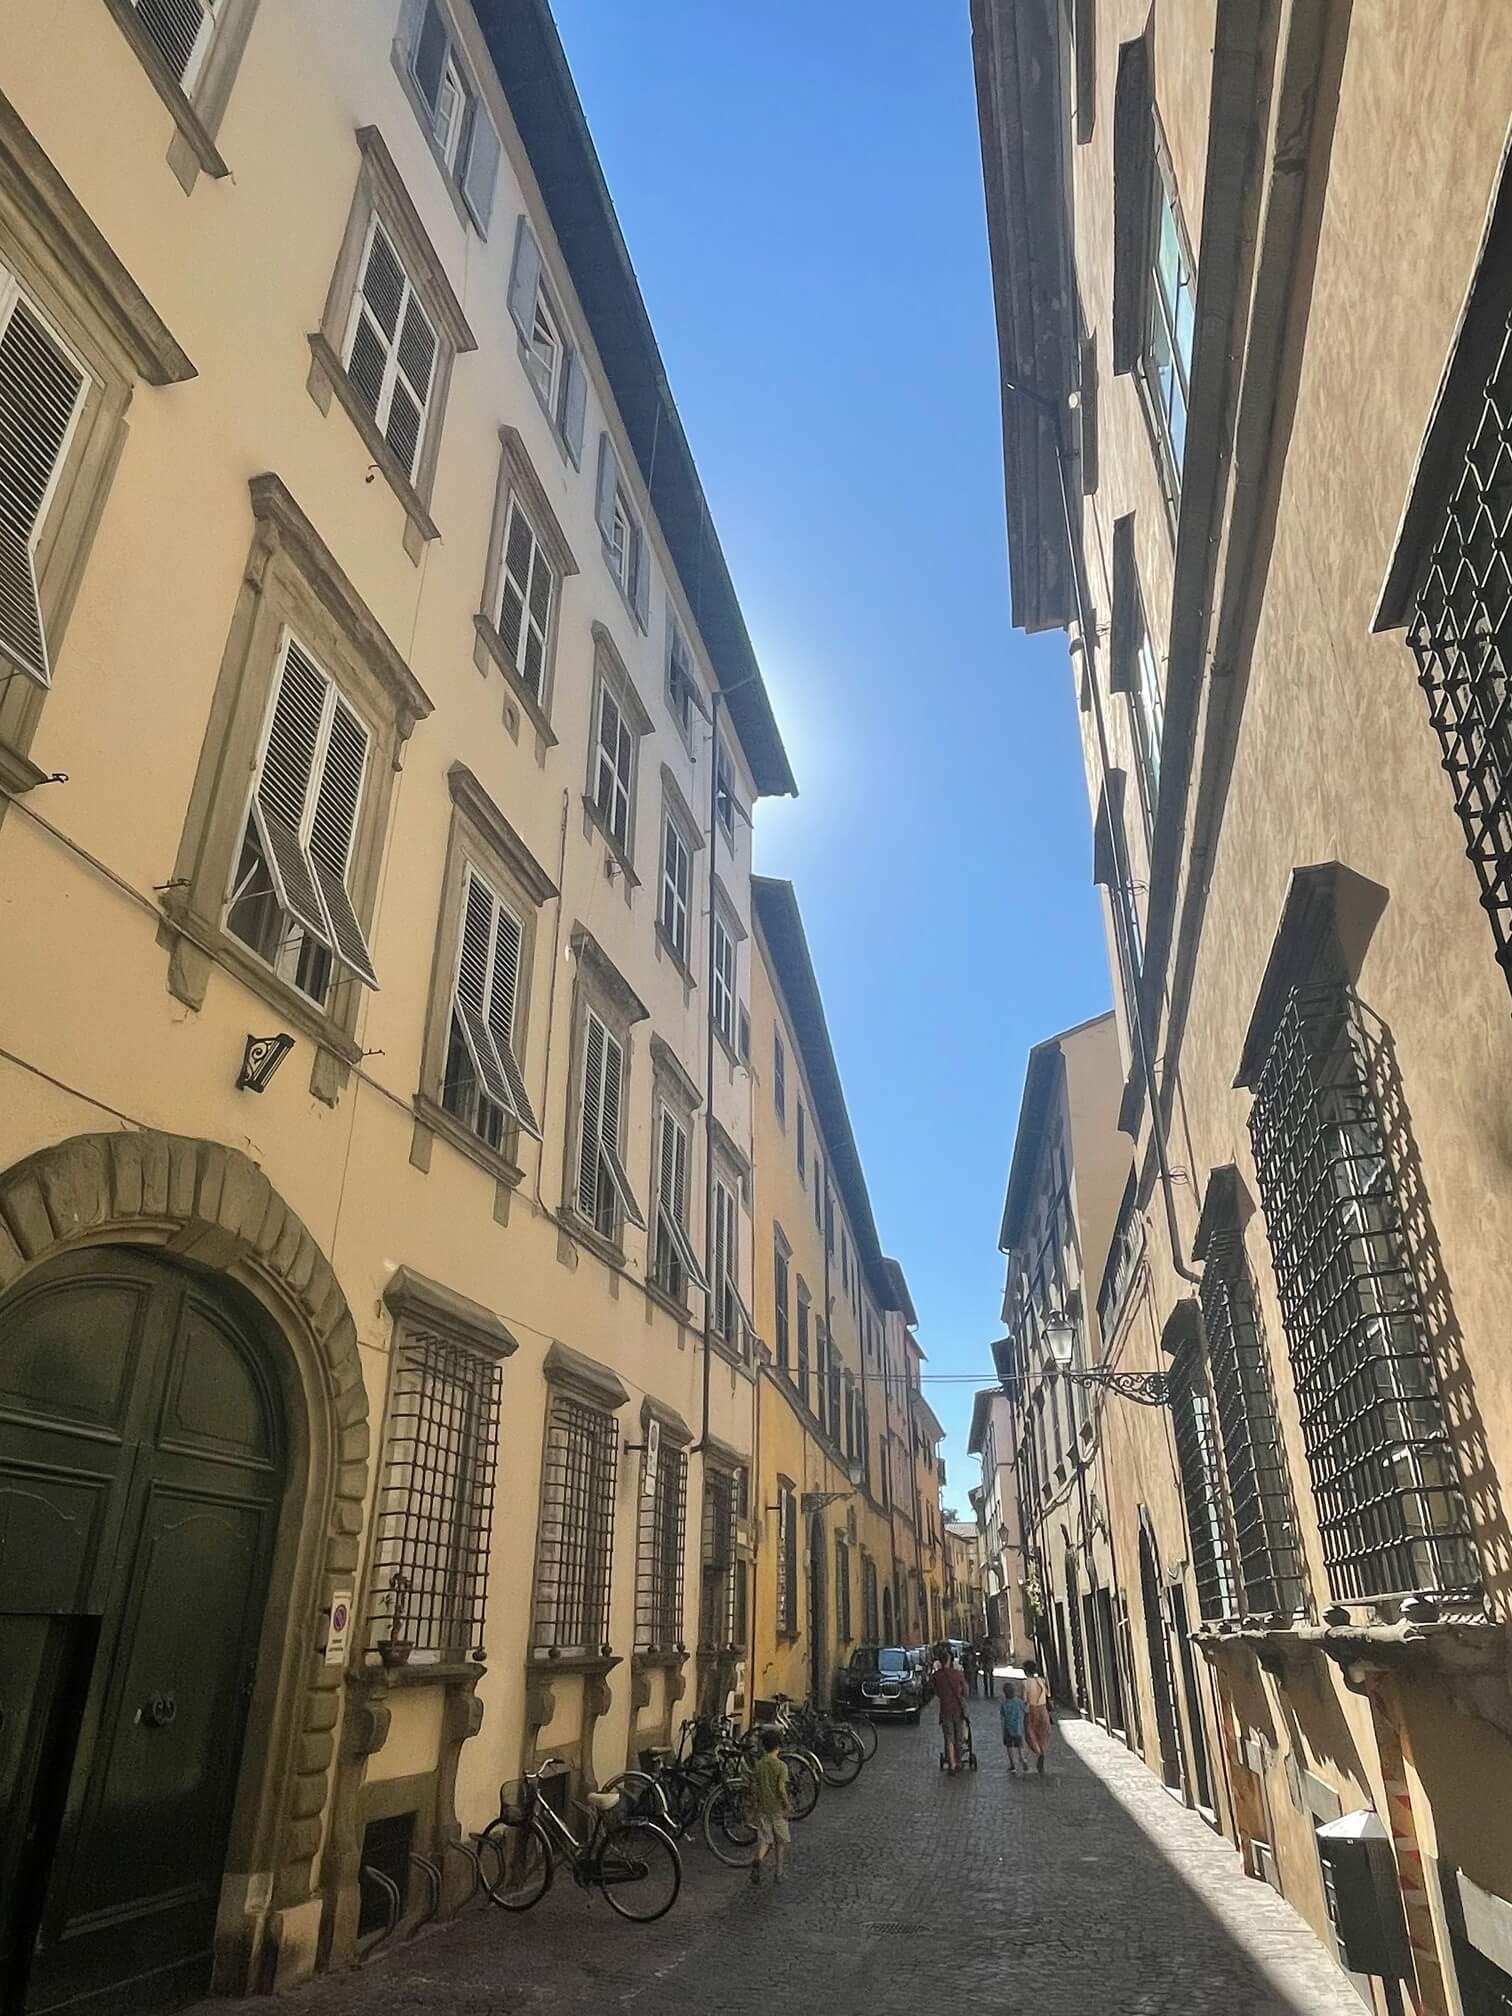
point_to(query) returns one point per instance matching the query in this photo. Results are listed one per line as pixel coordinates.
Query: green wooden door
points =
(140, 1484)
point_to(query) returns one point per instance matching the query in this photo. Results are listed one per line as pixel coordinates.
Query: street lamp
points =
(1145, 1389)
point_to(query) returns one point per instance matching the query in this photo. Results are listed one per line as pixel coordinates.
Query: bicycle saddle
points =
(603, 1802)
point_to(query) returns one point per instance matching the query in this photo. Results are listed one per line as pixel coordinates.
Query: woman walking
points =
(1037, 1723)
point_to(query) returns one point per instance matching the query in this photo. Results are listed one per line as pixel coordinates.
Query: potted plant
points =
(395, 1649)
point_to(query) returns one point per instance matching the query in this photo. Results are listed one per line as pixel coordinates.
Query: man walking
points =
(988, 1662)
(949, 1685)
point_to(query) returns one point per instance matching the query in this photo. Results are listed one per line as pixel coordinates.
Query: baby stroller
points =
(968, 1749)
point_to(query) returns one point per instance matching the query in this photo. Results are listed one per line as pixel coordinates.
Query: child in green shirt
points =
(770, 1800)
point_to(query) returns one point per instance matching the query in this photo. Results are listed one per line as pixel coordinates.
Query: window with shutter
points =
(527, 596)
(724, 980)
(677, 873)
(680, 688)
(603, 1187)
(290, 900)
(676, 1265)
(623, 535)
(465, 141)
(614, 784)
(554, 365)
(780, 1299)
(724, 791)
(804, 1305)
(42, 390)
(802, 1141)
(779, 1077)
(181, 31)
(390, 351)
(484, 1084)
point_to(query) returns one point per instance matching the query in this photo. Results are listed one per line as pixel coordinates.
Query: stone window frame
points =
(474, 212)
(725, 915)
(673, 1087)
(480, 838)
(676, 1443)
(611, 671)
(197, 112)
(677, 812)
(573, 1375)
(599, 985)
(518, 480)
(380, 193)
(291, 579)
(62, 262)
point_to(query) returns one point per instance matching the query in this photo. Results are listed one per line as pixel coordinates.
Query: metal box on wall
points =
(1364, 1901)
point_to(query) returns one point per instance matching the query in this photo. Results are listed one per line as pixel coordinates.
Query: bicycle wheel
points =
(642, 1797)
(521, 1862)
(639, 1870)
(684, 1794)
(804, 1781)
(840, 1756)
(864, 1730)
(730, 1835)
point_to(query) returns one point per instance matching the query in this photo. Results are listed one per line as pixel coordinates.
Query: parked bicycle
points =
(632, 1860)
(836, 1747)
(728, 1826)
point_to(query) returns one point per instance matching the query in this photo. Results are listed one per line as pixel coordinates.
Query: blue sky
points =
(800, 186)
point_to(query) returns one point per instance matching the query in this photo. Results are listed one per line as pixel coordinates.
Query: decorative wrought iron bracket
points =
(1145, 1389)
(816, 1501)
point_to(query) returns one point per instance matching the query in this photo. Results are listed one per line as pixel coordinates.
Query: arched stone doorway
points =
(158, 1298)
(819, 1688)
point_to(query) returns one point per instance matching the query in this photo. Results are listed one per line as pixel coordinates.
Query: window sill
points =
(493, 644)
(438, 1673)
(624, 593)
(597, 819)
(196, 133)
(657, 1294)
(573, 1659)
(577, 1227)
(501, 1166)
(223, 950)
(18, 773)
(725, 1044)
(564, 446)
(727, 1351)
(664, 939)
(327, 370)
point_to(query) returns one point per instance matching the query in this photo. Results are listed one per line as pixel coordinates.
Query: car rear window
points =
(892, 1659)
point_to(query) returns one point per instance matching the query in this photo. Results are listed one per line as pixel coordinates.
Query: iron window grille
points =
(870, 1622)
(722, 1618)
(842, 1590)
(787, 1562)
(1459, 634)
(576, 1546)
(1265, 1539)
(659, 1585)
(1328, 1131)
(1197, 1461)
(435, 1498)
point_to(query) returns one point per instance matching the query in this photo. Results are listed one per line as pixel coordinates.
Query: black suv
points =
(882, 1680)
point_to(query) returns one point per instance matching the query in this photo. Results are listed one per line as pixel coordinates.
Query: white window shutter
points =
(332, 831)
(482, 172)
(593, 1106)
(503, 995)
(284, 785)
(525, 281)
(609, 1130)
(642, 577)
(41, 392)
(574, 405)
(608, 485)
(180, 31)
(488, 969)
(428, 47)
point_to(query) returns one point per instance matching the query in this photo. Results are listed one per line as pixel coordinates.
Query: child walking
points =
(1013, 1714)
(770, 1800)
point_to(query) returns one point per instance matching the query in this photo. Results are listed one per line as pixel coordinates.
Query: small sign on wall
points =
(338, 1637)
(653, 1450)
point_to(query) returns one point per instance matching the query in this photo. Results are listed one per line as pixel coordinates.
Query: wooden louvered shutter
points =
(284, 784)
(41, 391)
(593, 1106)
(667, 1163)
(333, 829)
(404, 425)
(519, 543)
(614, 1087)
(503, 995)
(525, 281)
(180, 31)
(574, 405)
(608, 485)
(475, 945)
(482, 171)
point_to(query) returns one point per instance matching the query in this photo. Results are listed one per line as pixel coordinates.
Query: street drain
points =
(894, 1927)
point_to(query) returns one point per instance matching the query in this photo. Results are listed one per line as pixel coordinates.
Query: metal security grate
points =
(1459, 635)
(871, 1625)
(722, 1608)
(658, 1588)
(435, 1498)
(575, 1552)
(1265, 1537)
(1196, 1459)
(1326, 1116)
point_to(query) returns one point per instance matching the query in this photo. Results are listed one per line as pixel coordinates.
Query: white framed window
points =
(614, 770)
(528, 589)
(1148, 704)
(290, 899)
(43, 387)
(1171, 321)
(724, 791)
(779, 1077)
(484, 1086)
(682, 686)
(604, 1195)
(624, 538)
(676, 886)
(552, 362)
(452, 108)
(181, 31)
(726, 1313)
(390, 350)
(724, 980)
(675, 1266)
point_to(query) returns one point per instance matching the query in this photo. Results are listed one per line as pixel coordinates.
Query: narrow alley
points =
(1086, 1893)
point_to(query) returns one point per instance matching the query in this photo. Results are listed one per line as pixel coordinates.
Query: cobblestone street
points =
(1086, 1893)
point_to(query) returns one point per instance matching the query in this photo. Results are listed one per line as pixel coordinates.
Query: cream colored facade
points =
(320, 384)
(833, 1552)
(1284, 493)
(994, 1439)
